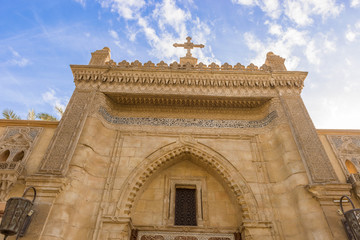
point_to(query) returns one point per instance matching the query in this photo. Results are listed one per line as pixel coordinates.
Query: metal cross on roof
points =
(188, 46)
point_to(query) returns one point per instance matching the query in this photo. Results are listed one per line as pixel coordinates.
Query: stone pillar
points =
(316, 161)
(64, 141)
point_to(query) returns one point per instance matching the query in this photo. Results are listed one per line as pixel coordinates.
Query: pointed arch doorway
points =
(186, 167)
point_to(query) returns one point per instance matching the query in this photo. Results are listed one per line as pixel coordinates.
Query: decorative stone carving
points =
(312, 151)
(219, 238)
(157, 235)
(188, 46)
(100, 57)
(179, 122)
(211, 81)
(347, 148)
(149, 237)
(15, 148)
(275, 62)
(63, 143)
(205, 156)
(185, 238)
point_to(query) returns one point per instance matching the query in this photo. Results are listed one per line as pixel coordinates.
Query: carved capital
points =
(329, 194)
(46, 186)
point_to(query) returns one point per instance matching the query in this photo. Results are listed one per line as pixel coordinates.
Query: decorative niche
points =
(15, 147)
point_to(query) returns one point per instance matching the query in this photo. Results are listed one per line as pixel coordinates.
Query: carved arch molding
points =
(201, 154)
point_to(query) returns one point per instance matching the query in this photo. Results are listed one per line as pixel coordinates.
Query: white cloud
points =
(128, 9)
(312, 53)
(274, 29)
(51, 98)
(270, 7)
(300, 12)
(81, 2)
(245, 2)
(355, 3)
(352, 32)
(17, 60)
(166, 24)
(169, 14)
(350, 35)
(282, 45)
(114, 34)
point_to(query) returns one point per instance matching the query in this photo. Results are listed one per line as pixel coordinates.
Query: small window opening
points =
(18, 157)
(4, 156)
(185, 207)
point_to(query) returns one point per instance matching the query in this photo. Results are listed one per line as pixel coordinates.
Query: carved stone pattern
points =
(16, 140)
(243, 194)
(149, 237)
(315, 156)
(260, 80)
(189, 102)
(178, 66)
(179, 122)
(185, 238)
(219, 238)
(346, 147)
(59, 151)
(185, 235)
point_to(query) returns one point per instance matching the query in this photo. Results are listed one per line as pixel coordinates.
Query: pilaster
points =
(63, 143)
(316, 161)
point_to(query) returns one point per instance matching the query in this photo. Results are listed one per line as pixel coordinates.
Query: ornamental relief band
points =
(179, 122)
(313, 152)
(58, 153)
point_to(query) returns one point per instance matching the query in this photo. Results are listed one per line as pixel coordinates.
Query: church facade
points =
(183, 151)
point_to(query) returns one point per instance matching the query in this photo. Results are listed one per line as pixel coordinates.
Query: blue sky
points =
(39, 40)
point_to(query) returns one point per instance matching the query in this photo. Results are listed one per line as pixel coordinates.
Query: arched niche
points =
(19, 156)
(350, 167)
(199, 154)
(216, 207)
(4, 155)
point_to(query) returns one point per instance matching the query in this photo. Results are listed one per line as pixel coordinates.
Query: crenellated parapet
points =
(271, 79)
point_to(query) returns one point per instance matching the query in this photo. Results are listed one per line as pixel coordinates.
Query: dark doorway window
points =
(185, 207)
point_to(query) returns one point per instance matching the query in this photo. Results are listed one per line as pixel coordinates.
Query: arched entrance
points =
(187, 152)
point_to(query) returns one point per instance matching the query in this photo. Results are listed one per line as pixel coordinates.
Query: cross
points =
(188, 45)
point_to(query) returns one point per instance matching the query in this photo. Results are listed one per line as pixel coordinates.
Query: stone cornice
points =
(29, 123)
(108, 78)
(329, 194)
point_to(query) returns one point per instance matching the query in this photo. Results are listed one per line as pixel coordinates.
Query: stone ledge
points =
(329, 194)
(46, 185)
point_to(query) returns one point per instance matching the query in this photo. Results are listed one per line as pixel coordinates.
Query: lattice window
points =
(185, 207)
